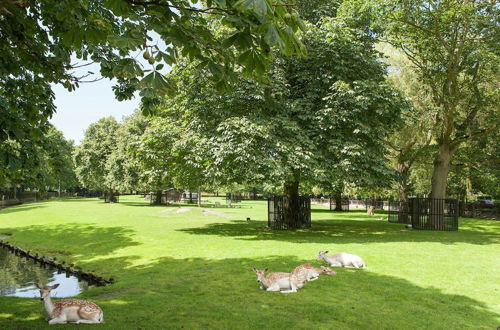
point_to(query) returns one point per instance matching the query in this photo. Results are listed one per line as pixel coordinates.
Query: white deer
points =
(69, 310)
(342, 259)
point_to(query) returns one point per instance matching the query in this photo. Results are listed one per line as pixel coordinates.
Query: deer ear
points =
(37, 285)
(326, 252)
(254, 269)
(265, 270)
(55, 286)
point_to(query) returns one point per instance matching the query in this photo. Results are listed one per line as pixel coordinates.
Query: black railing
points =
(20, 197)
(284, 215)
(399, 212)
(234, 198)
(476, 210)
(434, 214)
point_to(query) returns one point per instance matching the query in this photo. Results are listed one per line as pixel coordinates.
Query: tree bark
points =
(403, 170)
(158, 196)
(291, 205)
(190, 197)
(199, 197)
(338, 197)
(441, 169)
(439, 179)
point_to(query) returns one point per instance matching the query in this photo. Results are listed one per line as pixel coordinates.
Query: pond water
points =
(18, 277)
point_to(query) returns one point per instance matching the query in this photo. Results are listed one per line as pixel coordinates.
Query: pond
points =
(18, 276)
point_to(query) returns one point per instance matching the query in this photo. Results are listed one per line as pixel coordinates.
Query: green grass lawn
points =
(191, 270)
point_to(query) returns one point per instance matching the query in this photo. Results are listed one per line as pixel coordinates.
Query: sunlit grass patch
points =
(193, 270)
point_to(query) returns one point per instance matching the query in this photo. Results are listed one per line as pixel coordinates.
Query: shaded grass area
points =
(190, 270)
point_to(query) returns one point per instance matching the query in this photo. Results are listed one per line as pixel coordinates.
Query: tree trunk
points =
(190, 197)
(441, 170)
(439, 180)
(59, 190)
(291, 205)
(403, 170)
(338, 197)
(158, 195)
(199, 197)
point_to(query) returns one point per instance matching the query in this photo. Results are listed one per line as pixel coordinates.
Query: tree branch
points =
(470, 164)
(159, 3)
(461, 139)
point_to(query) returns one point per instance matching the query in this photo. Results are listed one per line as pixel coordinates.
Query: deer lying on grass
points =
(274, 281)
(69, 310)
(304, 273)
(290, 282)
(342, 259)
(312, 273)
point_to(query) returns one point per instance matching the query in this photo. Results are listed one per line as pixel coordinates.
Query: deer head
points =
(327, 271)
(45, 290)
(260, 274)
(321, 255)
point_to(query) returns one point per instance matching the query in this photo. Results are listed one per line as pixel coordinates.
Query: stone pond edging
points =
(44, 261)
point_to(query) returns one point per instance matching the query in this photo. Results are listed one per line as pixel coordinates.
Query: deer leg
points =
(57, 320)
(293, 289)
(274, 287)
(86, 321)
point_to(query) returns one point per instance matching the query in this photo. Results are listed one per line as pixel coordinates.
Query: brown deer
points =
(69, 310)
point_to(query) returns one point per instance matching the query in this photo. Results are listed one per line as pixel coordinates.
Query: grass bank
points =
(192, 269)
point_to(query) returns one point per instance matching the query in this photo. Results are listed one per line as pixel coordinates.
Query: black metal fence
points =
(434, 214)
(378, 204)
(399, 212)
(475, 210)
(344, 204)
(282, 215)
(10, 198)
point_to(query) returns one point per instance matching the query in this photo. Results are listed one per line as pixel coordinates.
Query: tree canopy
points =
(46, 42)
(453, 46)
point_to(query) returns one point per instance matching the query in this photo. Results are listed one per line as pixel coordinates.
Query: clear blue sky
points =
(89, 103)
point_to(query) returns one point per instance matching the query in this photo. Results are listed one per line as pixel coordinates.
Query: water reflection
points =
(18, 275)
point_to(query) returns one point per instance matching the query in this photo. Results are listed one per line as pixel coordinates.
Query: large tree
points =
(410, 142)
(123, 170)
(60, 168)
(318, 114)
(91, 157)
(453, 46)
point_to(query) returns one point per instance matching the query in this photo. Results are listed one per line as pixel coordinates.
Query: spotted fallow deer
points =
(69, 310)
(312, 273)
(275, 281)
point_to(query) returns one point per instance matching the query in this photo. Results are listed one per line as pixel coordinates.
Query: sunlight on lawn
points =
(187, 269)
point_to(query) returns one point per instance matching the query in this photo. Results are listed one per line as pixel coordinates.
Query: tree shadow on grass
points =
(75, 199)
(21, 208)
(223, 294)
(82, 242)
(350, 231)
